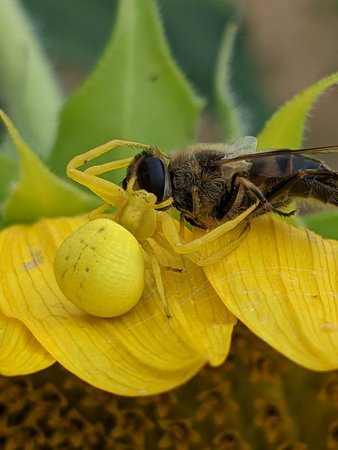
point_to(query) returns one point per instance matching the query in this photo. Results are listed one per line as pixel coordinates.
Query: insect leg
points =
(230, 199)
(325, 190)
(251, 187)
(319, 184)
(195, 200)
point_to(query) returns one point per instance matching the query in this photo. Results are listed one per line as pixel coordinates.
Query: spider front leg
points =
(148, 247)
(108, 191)
(191, 249)
(99, 213)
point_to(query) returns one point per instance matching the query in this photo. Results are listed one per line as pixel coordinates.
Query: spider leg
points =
(107, 167)
(251, 187)
(165, 204)
(191, 249)
(108, 191)
(99, 212)
(84, 158)
(158, 277)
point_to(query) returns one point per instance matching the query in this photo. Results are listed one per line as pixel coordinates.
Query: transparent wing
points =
(235, 156)
(243, 146)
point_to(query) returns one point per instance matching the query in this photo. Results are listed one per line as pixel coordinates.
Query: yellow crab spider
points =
(137, 210)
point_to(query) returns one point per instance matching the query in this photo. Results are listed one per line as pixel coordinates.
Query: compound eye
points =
(151, 176)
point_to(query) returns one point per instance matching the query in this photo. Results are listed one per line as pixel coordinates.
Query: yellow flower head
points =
(281, 281)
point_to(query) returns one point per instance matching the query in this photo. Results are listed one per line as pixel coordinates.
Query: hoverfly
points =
(214, 183)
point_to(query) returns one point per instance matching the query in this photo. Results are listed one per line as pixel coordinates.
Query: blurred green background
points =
(282, 47)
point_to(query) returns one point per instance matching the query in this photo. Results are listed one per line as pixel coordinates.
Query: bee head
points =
(150, 173)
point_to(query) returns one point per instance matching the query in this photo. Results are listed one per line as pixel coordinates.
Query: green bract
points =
(136, 92)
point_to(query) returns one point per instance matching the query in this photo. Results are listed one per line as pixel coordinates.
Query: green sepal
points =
(285, 129)
(38, 192)
(9, 172)
(323, 223)
(28, 86)
(136, 92)
(229, 116)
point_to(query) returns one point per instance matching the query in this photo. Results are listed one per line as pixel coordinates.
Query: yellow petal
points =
(141, 352)
(282, 282)
(198, 315)
(20, 352)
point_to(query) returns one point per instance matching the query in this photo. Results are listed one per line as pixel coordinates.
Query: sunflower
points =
(281, 282)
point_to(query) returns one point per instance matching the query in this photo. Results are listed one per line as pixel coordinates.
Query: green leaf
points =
(229, 115)
(39, 193)
(136, 92)
(8, 173)
(285, 129)
(28, 89)
(324, 223)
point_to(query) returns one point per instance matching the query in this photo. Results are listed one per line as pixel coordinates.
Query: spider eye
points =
(151, 176)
